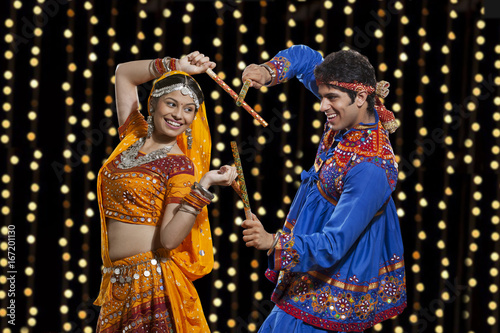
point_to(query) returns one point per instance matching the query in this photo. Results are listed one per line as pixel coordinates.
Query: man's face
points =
(340, 111)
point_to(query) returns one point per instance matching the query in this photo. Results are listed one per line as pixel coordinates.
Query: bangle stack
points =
(275, 241)
(159, 66)
(194, 200)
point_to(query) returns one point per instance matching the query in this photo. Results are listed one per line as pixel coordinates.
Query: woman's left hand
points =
(224, 176)
(194, 63)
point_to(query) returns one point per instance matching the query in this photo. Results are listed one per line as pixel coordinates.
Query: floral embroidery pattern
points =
(287, 256)
(282, 66)
(365, 306)
(390, 289)
(340, 308)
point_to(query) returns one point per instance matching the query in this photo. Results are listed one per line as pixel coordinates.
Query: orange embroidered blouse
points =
(140, 194)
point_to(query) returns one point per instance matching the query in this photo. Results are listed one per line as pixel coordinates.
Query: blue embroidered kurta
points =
(339, 264)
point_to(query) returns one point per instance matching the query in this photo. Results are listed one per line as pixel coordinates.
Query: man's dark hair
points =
(348, 66)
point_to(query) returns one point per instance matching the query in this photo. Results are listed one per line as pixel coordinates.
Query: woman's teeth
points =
(173, 123)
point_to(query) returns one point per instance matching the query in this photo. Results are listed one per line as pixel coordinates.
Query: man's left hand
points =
(255, 235)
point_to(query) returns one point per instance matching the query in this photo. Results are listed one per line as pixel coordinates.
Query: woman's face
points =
(173, 114)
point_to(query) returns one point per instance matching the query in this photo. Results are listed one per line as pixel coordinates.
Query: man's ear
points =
(361, 98)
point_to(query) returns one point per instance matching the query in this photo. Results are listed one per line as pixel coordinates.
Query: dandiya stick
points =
(243, 92)
(240, 186)
(234, 95)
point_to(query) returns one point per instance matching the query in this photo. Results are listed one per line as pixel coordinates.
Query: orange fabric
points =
(139, 194)
(193, 258)
(139, 299)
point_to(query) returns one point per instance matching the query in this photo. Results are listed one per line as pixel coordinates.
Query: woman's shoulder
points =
(178, 164)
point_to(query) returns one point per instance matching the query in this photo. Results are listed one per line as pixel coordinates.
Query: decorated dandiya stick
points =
(243, 92)
(240, 186)
(234, 95)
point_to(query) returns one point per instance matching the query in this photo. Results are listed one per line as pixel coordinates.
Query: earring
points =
(151, 126)
(189, 138)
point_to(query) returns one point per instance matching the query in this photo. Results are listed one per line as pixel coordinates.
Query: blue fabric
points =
(339, 264)
(301, 63)
(280, 321)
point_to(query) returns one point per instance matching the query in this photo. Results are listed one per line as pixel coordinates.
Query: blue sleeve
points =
(365, 191)
(297, 61)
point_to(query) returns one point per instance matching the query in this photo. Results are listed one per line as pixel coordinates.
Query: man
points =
(338, 265)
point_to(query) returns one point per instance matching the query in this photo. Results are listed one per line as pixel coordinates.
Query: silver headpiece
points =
(183, 87)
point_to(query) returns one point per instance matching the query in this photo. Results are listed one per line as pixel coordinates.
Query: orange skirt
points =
(139, 301)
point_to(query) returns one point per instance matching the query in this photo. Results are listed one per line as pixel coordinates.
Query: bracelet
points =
(172, 64)
(209, 195)
(196, 200)
(158, 67)
(271, 72)
(166, 64)
(152, 69)
(275, 241)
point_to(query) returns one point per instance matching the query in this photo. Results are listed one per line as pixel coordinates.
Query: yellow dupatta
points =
(193, 258)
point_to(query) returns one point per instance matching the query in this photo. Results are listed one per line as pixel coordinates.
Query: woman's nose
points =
(177, 112)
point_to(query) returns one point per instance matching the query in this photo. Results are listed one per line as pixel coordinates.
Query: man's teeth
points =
(173, 123)
(331, 116)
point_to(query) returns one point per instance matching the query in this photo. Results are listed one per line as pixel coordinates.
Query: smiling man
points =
(338, 265)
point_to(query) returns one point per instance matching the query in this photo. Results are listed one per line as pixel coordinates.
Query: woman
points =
(152, 191)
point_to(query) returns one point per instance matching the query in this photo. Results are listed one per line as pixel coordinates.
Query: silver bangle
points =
(275, 241)
(206, 193)
(271, 72)
(166, 63)
(152, 69)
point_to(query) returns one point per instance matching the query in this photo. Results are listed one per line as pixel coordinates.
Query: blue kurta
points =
(339, 263)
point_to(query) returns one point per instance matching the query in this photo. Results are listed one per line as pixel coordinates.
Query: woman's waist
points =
(127, 239)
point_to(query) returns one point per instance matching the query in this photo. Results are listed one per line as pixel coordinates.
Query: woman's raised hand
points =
(224, 176)
(195, 63)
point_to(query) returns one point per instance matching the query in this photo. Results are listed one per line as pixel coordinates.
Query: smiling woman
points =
(153, 194)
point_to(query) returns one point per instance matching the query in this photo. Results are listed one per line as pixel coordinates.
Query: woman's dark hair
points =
(348, 66)
(179, 78)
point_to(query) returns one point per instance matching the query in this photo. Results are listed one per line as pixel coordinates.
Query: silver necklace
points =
(130, 159)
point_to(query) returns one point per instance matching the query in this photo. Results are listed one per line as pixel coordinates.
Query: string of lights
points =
(397, 89)
(445, 201)
(233, 278)
(257, 255)
(470, 142)
(495, 205)
(89, 175)
(71, 159)
(10, 157)
(421, 200)
(32, 216)
(215, 220)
